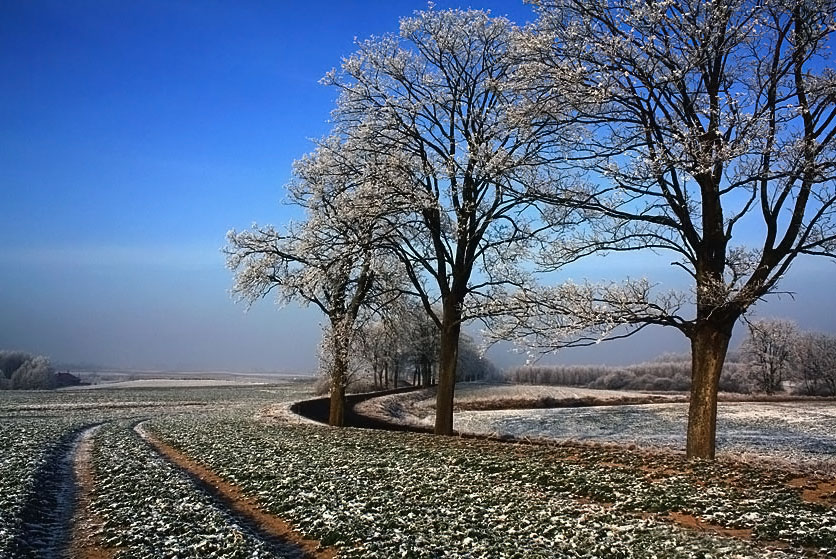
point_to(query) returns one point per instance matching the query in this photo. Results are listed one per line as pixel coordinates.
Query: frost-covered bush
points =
(36, 373)
(558, 375)
(23, 371)
(10, 361)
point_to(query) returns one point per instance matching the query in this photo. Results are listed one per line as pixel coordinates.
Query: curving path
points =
(316, 409)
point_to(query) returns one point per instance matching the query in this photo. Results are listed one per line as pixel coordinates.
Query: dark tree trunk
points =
(336, 415)
(339, 378)
(709, 345)
(448, 356)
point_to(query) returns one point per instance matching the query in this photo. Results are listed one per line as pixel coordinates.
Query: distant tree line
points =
(775, 357)
(23, 371)
(669, 372)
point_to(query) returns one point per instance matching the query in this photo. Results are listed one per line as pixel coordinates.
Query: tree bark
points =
(336, 413)
(448, 356)
(709, 345)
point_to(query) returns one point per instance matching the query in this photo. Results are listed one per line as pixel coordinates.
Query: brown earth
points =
(815, 490)
(85, 543)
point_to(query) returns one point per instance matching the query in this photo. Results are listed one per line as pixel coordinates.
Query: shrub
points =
(23, 371)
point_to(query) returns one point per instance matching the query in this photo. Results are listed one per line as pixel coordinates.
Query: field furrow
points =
(151, 509)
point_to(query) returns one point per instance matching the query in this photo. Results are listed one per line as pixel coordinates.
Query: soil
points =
(815, 490)
(694, 523)
(84, 543)
(235, 499)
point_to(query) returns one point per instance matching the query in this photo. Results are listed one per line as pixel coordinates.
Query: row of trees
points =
(468, 154)
(666, 373)
(392, 354)
(775, 356)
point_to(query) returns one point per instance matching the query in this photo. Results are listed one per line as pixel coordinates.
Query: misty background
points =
(135, 135)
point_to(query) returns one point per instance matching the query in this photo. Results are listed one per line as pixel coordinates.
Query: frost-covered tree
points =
(35, 374)
(330, 260)
(769, 352)
(816, 367)
(24, 371)
(401, 342)
(10, 361)
(441, 101)
(473, 365)
(709, 133)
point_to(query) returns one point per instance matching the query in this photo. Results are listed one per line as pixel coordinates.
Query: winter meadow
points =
(473, 165)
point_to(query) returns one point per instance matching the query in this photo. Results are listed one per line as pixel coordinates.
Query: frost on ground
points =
(152, 509)
(381, 494)
(802, 432)
(795, 431)
(31, 467)
(418, 408)
(36, 433)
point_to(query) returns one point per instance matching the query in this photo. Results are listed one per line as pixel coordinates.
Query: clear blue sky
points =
(135, 134)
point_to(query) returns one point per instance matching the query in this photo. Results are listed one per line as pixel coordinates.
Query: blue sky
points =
(135, 134)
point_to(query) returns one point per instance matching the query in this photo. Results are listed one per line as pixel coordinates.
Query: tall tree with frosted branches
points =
(331, 260)
(441, 102)
(710, 130)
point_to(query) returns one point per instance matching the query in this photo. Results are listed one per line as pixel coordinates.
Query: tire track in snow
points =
(47, 517)
(245, 510)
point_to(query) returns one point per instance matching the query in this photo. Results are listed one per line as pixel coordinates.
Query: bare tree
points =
(441, 101)
(708, 132)
(769, 351)
(330, 260)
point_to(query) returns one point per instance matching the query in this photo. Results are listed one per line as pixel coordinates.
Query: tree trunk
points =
(339, 378)
(336, 415)
(709, 344)
(448, 356)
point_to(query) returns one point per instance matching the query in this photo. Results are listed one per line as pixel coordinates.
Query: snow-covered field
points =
(803, 432)
(164, 383)
(418, 408)
(381, 494)
(798, 431)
